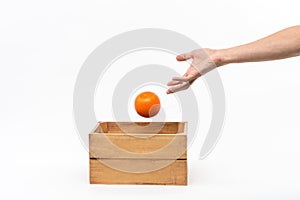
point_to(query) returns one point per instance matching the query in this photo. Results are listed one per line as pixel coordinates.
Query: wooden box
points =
(138, 153)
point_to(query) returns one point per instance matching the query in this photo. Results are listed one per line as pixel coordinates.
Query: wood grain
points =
(173, 174)
(138, 153)
(132, 145)
(142, 127)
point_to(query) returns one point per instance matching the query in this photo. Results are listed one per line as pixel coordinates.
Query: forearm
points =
(280, 45)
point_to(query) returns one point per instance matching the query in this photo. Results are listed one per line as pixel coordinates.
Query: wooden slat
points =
(102, 127)
(131, 145)
(173, 174)
(142, 127)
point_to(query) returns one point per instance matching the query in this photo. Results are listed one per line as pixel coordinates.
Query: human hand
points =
(204, 60)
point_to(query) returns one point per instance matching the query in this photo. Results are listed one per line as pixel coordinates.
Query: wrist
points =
(221, 57)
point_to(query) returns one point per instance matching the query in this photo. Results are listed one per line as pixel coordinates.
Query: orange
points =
(147, 104)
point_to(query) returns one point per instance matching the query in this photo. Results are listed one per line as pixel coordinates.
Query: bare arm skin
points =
(280, 45)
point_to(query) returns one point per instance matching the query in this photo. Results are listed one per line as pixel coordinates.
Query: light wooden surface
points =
(138, 153)
(173, 174)
(160, 146)
(142, 127)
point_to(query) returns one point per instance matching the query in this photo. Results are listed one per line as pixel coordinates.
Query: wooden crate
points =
(138, 153)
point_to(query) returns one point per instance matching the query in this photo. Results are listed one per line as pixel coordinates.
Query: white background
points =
(42, 47)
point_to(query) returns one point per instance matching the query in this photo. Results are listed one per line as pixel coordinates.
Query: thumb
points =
(184, 57)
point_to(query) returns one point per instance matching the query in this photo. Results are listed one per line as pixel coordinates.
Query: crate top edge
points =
(138, 127)
(181, 122)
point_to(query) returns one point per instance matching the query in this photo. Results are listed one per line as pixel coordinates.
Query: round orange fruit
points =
(147, 104)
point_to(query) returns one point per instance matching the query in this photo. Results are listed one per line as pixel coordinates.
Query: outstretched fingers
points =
(172, 83)
(184, 57)
(178, 87)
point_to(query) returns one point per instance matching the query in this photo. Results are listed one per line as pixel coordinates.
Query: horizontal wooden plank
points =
(160, 146)
(142, 127)
(111, 171)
